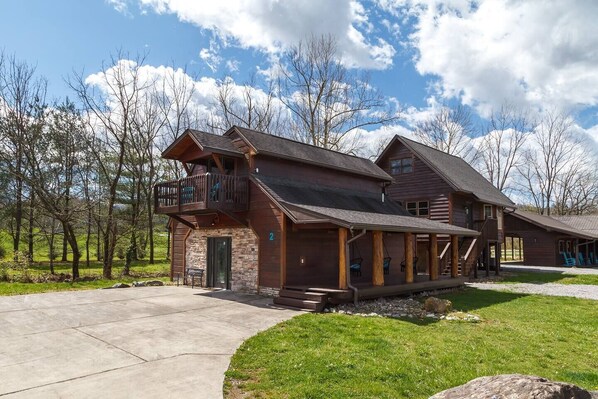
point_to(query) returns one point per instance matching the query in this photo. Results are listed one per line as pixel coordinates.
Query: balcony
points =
(201, 192)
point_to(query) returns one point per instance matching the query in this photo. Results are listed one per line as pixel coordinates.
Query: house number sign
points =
(271, 236)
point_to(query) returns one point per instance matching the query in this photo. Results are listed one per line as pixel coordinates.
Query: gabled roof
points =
(281, 147)
(347, 208)
(586, 223)
(460, 175)
(205, 141)
(549, 223)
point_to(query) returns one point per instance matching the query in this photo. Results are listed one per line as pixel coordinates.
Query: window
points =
(418, 208)
(499, 215)
(398, 166)
(487, 212)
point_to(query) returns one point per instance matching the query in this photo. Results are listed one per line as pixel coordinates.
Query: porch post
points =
(342, 258)
(497, 265)
(377, 259)
(454, 256)
(433, 257)
(408, 257)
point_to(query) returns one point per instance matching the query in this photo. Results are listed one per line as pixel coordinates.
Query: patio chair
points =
(355, 266)
(214, 191)
(187, 195)
(386, 264)
(581, 260)
(567, 260)
(414, 265)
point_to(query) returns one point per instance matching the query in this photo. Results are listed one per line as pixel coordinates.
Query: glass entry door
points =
(219, 262)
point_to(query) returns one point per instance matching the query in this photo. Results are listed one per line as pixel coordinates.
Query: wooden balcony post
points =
(342, 258)
(433, 257)
(454, 256)
(377, 259)
(409, 258)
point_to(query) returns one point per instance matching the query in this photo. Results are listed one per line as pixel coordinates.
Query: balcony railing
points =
(200, 192)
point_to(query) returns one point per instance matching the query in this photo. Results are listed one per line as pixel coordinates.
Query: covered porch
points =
(370, 264)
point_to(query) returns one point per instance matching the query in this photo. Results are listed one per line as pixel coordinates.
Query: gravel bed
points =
(571, 290)
(395, 307)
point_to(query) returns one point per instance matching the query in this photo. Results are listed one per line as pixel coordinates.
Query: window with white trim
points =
(487, 211)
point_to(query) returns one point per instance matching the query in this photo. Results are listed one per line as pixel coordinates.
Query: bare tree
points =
(51, 154)
(21, 94)
(550, 157)
(501, 147)
(111, 103)
(248, 107)
(450, 130)
(326, 100)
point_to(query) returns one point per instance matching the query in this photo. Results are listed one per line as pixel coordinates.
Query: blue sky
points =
(419, 52)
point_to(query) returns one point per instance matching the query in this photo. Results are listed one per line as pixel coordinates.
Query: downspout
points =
(348, 266)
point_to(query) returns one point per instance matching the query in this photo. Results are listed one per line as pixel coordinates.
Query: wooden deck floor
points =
(367, 291)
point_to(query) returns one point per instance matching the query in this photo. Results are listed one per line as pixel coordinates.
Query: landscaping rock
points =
(436, 305)
(515, 386)
(139, 284)
(120, 285)
(154, 283)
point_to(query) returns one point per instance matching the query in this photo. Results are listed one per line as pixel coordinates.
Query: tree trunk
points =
(30, 230)
(88, 237)
(18, 209)
(71, 237)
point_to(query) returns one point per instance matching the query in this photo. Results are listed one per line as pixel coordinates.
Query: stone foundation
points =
(244, 255)
(268, 291)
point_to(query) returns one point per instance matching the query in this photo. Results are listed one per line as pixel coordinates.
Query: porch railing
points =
(204, 191)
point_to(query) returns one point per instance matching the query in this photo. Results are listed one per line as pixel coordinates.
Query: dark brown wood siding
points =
(421, 184)
(177, 262)
(540, 247)
(266, 221)
(320, 251)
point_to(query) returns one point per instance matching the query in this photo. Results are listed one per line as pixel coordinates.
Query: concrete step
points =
(297, 303)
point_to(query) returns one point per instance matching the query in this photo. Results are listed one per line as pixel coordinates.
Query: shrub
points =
(2, 252)
(120, 253)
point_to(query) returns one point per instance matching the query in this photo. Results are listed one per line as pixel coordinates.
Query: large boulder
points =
(515, 386)
(437, 305)
(154, 283)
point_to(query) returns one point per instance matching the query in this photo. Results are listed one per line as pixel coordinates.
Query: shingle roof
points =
(587, 223)
(348, 208)
(550, 224)
(214, 141)
(268, 144)
(458, 173)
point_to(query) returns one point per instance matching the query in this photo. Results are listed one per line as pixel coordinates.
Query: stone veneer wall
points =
(244, 262)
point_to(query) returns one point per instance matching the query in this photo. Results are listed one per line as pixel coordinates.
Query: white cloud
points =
(539, 53)
(271, 25)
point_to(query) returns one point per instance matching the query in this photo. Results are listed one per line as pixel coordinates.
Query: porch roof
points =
(348, 208)
(549, 223)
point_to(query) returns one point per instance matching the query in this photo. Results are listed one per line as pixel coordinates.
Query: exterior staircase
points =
(303, 299)
(471, 250)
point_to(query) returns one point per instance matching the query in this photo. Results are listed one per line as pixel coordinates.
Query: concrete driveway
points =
(146, 342)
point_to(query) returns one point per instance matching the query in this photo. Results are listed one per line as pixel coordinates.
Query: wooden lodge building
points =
(269, 215)
(433, 184)
(555, 241)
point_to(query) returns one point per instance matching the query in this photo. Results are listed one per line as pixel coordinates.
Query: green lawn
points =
(36, 288)
(559, 278)
(41, 250)
(140, 270)
(341, 356)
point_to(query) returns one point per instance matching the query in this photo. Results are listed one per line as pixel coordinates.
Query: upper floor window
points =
(487, 212)
(418, 208)
(398, 166)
